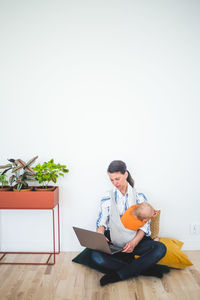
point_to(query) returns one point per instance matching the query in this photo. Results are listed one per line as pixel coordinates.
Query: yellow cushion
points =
(176, 242)
(174, 257)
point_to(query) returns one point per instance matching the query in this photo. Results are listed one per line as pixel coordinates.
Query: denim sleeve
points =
(104, 213)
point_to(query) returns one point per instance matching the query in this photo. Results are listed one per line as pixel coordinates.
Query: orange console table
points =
(47, 200)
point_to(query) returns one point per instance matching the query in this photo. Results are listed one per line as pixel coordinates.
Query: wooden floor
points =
(71, 281)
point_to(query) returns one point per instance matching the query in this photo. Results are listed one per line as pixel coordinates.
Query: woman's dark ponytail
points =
(130, 179)
(120, 166)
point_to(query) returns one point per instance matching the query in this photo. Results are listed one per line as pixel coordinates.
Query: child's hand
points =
(155, 213)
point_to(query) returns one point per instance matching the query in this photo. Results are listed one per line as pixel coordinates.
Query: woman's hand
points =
(129, 247)
(101, 230)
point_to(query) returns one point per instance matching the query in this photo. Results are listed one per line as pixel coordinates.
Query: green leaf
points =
(21, 162)
(31, 161)
(6, 166)
(12, 179)
(5, 171)
(17, 169)
(19, 186)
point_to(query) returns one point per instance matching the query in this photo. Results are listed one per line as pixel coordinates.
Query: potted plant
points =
(21, 181)
(4, 182)
(48, 172)
(3, 177)
(22, 173)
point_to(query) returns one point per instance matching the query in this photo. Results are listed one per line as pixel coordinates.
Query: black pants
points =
(125, 265)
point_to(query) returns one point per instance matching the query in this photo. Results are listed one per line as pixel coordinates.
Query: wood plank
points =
(70, 281)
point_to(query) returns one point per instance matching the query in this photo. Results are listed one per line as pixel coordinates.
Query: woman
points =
(122, 265)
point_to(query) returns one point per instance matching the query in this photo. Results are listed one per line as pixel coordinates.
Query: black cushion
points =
(84, 258)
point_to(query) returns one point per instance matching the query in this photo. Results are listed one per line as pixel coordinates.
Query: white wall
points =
(87, 82)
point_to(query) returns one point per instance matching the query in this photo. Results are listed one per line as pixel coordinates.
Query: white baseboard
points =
(19, 247)
(191, 245)
(188, 245)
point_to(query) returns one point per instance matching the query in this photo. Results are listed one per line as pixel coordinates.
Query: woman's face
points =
(118, 179)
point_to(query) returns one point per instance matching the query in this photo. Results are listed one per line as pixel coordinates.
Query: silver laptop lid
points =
(91, 239)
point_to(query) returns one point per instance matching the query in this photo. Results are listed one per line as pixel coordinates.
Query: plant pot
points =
(23, 190)
(44, 189)
(29, 199)
(5, 188)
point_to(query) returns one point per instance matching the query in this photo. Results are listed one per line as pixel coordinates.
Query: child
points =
(137, 215)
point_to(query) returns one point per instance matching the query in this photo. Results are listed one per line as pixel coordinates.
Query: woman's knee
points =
(97, 257)
(160, 249)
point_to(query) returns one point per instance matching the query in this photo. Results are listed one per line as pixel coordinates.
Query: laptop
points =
(95, 240)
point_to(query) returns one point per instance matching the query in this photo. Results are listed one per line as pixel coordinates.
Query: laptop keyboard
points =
(114, 248)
